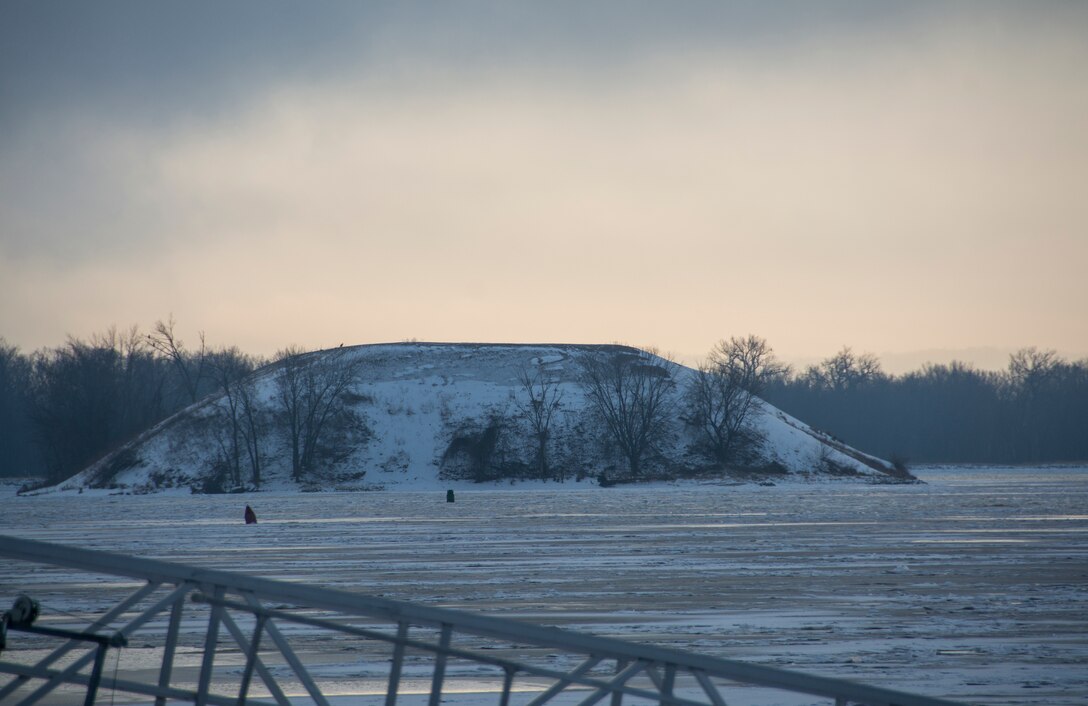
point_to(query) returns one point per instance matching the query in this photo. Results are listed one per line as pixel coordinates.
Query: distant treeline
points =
(63, 408)
(1035, 411)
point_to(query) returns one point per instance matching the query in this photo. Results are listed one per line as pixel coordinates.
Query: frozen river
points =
(973, 586)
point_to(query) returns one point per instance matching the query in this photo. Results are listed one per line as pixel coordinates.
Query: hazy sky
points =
(896, 177)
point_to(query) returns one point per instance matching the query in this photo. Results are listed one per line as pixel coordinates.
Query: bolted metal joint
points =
(24, 611)
(22, 614)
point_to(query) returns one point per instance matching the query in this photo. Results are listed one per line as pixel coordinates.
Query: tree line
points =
(63, 408)
(1034, 411)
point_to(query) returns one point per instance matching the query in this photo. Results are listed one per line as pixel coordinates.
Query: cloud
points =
(847, 186)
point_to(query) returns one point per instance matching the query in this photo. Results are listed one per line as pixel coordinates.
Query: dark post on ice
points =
(251, 517)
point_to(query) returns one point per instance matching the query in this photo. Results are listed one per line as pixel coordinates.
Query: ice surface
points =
(973, 586)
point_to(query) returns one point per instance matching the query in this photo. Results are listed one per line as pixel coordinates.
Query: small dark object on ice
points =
(251, 517)
(449, 496)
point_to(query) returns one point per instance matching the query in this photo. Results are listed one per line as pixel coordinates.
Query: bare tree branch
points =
(191, 367)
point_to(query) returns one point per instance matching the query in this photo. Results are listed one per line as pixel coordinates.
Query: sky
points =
(909, 179)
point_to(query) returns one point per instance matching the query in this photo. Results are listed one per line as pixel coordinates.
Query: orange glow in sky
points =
(904, 185)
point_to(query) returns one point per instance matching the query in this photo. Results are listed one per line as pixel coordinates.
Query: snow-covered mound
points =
(415, 404)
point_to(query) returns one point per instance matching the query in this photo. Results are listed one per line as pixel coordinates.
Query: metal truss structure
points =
(228, 639)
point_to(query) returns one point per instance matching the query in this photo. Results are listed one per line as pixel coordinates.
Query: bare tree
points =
(326, 380)
(1031, 373)
(191, 367)
(539, 405)
(632, 392)
(722, 393)
(289, 387)
(252, 427)
(230, 369)
(311, 387)
(1031, 368)
(141, 380)
(845, 370)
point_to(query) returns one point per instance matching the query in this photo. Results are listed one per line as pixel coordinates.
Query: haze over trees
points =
(1035, 411)
(62, 408)
(19, 454)
(84, 397)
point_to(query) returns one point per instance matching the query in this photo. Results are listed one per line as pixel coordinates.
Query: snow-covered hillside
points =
(414, 400)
